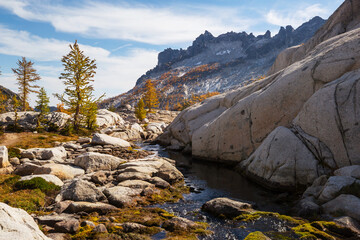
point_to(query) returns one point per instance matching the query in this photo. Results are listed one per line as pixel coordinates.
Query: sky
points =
(125, 36)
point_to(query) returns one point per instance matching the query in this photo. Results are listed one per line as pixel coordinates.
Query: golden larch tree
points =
(79, 71)
(150, 97)
(140, 111)
(25, 76)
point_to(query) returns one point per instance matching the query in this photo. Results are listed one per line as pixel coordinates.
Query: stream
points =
(208, 181)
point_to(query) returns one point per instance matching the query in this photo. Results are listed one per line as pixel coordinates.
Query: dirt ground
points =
(30, 140)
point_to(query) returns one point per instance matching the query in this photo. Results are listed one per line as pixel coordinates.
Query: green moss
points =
(309, 231)
(256, 236)
(280, 235)
(248, 217)
(14, 152)
(253, 216)
(83, 233)
(173, 194)
(31, 200)
(37, 183)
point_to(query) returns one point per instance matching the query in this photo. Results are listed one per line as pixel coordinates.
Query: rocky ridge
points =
(215, 64)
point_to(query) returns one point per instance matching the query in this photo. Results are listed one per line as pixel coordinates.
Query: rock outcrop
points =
(17, 224)
(28, 120)
(291, 127)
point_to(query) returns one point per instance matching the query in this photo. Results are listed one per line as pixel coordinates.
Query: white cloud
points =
(296, 18)
(115, 74)
(141, 23)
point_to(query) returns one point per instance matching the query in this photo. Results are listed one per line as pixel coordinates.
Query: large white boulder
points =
(4, 157)
(283, 160)
(80, 190)
(106, 118)
(92, 162)
(62, 171)
(156, 127)
(56, 153)
(103, 139)
(121, 196)
(17, 224)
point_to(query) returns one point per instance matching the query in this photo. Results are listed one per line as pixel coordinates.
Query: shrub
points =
(37, 183)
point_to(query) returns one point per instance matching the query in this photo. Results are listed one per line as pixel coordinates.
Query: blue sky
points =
(125, 36)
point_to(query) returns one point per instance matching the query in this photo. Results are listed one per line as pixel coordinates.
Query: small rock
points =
(133, 176)
(348, 222)
(133, 227)
(333, 186)
(4, 159)
(179, 224)
(68, 226)
(137, 184)
(100, 229)
(148, 191)
(159, 182)
(351, 171)
(87, 223)
(346, 204)
(308, 207)
(58, 236)
(15, 161)
(227, 207)
(83, 140)
(103, 139)
(121, 196)
(99, 178)
(87, 207)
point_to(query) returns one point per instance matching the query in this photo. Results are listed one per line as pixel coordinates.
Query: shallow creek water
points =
(209, 180)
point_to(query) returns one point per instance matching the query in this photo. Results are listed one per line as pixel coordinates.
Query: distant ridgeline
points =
(6, 96)
(214, 64)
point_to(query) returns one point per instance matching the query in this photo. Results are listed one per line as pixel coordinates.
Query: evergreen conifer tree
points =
(42, 106)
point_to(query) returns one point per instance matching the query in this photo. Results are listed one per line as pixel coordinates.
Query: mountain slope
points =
(8, 94)
(216, 64)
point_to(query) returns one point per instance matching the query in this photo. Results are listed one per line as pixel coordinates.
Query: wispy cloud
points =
(141, 23)
(297, 17)
(115, 74)
(121, 47)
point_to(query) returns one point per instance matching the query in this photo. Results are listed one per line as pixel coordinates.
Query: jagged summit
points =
(217, 63)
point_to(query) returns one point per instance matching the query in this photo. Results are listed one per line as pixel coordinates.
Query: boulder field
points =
(92, 178)
(298, 124)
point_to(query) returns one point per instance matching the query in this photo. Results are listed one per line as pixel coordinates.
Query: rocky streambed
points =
(107, 188)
